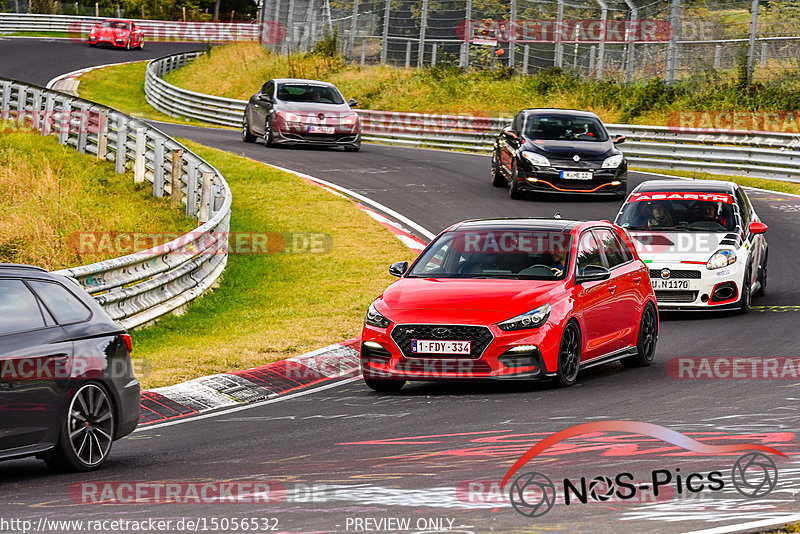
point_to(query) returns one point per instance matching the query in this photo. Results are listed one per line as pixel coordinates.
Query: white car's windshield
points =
(496, 253)
(652, 212)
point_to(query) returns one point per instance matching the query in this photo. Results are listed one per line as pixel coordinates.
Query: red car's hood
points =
(471, 301)
(110, 33)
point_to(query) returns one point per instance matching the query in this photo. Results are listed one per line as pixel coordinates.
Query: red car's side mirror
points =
(757, 228)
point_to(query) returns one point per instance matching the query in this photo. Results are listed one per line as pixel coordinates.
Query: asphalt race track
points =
(433, 454)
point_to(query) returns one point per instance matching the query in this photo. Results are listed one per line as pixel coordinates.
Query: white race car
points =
(702, 240)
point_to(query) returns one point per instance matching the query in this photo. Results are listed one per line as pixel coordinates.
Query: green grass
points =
(36, 34)
(273, 306)
(50, 193)
(122, 88)
(237, 71)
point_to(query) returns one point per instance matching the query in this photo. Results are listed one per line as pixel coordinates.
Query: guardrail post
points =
(4, 109)
(64, 122)
(102, 135)
(139, 155)
(22, 98)
(49, 109)
(83, 125)
(158, 167)
(121, 155)
(177, 177)
(36, 111)
(205, 197)
(191, 189)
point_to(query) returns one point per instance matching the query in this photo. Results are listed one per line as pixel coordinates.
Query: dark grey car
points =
(67, 388)
(295, 111)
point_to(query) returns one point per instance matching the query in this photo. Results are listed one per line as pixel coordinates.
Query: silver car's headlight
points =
(720, 259)
(536, 159)
(374, 318)
(612, 162)
(532, 319)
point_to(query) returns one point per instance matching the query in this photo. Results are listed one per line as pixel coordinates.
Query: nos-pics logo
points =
(533, 494)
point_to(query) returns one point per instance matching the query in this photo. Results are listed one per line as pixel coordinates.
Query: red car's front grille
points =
(478, 336)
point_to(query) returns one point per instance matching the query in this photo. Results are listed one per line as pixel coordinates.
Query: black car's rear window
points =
(565, 128)
(19, 310)
(315, 94)
(65, 307)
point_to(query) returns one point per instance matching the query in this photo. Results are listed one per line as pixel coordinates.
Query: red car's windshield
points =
(496, 253)
(115, 24)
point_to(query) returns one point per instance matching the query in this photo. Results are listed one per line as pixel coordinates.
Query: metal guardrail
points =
(142, 286)
(741, 153)
(154, 30)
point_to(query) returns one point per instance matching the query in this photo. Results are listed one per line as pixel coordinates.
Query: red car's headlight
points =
(374, 318)
(532, 319)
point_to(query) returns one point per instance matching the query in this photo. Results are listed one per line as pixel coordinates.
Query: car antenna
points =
(557, 215)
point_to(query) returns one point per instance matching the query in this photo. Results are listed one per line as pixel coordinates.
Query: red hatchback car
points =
(529, 299)
(117, 33)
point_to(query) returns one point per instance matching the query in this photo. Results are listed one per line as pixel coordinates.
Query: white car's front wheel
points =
(747, 293)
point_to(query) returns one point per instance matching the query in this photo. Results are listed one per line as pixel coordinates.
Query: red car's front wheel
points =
(569, 355)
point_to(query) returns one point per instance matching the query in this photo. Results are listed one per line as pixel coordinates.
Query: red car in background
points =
(524, 299)
(117, 33)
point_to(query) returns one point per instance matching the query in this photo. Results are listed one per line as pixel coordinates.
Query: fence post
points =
(139, 156)
(559, 51)
(387, 11)
(363, 52)
(672, 48)
(467, 35)
(717, 55)
(288, 42)
(751, 42)
(177, 177)
(121, 155)
(512, 33)
(351, 39)
(205, 197)
(526, 52)
(633, 32)
(576, 35)
(763, 62)
(158, 167)
(601, 51)
(422, 27)
(275, 18)
(592, 56)
(408, 54)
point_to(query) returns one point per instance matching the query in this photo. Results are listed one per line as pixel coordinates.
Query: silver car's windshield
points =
(313, 94)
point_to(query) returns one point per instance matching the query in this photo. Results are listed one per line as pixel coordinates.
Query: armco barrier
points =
(154, 30)
(758, 154)
(139, 287)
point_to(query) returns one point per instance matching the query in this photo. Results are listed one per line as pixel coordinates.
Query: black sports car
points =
(558, 150)
(67, 389)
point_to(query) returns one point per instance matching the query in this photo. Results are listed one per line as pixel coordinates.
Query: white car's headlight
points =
(720, 259)
(289, 116)
(536, 159)
(612, 162)
(532, 319)
(374, 318)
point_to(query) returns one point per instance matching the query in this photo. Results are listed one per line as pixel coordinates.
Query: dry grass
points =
(49, 192)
